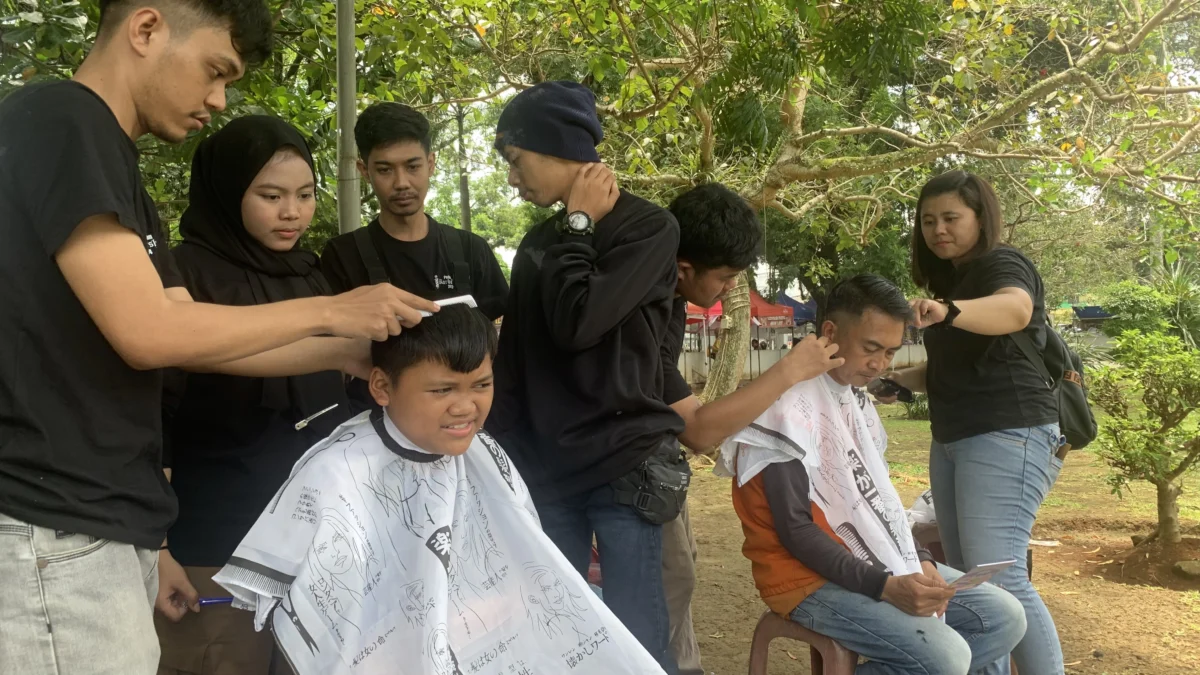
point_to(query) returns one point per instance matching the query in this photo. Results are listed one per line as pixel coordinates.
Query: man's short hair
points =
(248, 21)
(717, 228)
(458, 337)
(851, 298)
(383, 124)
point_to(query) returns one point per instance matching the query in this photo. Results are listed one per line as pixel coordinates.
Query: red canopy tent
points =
(768, 314)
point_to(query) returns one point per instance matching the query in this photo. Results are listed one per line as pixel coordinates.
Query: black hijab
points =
(223, 264)
(224, 166)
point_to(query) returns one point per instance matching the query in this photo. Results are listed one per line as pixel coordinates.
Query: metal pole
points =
(349, 213)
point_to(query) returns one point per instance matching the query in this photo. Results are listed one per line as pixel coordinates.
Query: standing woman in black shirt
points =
(232, 441)
(995, 422)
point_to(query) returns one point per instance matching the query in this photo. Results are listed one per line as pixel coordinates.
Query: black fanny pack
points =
(657, 488)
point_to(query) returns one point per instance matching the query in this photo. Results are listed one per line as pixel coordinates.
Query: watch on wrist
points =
(952, 312)
(579, 223)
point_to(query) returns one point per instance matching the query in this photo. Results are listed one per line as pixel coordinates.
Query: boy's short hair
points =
(459, 337)
(383, 124)
(851, 298)
(249, 21)
(717, 228)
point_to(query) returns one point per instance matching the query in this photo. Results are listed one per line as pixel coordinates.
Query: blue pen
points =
(204, 602)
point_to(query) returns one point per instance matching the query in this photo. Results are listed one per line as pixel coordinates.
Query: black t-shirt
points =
(980, 383)
(80, 430)
(422, 267)
(675, 387)
(579, 374)
(232, 440)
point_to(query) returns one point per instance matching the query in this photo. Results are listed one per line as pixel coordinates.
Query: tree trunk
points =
(464, 183)
(725, 373)
(1168, 513)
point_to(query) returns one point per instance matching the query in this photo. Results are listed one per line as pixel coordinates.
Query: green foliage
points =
(1168, 303)
(1151, 397)
(917, 409)
(1137, 307)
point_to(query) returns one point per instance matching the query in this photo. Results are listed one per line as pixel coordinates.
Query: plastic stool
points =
(826, 656)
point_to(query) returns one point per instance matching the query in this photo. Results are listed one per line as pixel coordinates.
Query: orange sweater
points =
(782, 581)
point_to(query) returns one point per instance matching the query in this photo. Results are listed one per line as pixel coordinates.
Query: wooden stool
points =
(826, 656)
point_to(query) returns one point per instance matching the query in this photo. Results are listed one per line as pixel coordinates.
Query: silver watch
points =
(579, 223)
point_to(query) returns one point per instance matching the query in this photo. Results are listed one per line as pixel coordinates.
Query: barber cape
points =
(377, 558)
(837, 434)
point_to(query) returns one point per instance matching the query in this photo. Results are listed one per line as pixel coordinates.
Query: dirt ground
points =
(1109, 623)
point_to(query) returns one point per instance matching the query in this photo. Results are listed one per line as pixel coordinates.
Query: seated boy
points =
(826, 534)
(407, 542)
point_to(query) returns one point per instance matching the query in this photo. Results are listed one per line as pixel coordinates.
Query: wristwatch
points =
(952, 312)
(579, 223)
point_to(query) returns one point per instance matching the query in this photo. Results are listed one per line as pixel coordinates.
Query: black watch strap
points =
(952, 312)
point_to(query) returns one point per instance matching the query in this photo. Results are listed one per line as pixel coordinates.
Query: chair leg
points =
(759, 650)
(816, 662)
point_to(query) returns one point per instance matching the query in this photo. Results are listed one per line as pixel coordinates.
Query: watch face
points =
(578, 222)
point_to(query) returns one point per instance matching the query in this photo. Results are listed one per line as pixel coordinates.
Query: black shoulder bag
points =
(1062, 370)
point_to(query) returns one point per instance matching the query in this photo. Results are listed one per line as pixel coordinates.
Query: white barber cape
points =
(375, 558)
(837, 434)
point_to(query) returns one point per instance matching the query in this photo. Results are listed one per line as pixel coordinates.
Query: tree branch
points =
(637, 58)
(1108, 97)
(1192, 447)
(1132, 43)
(631, 115)
(707, 139)
(1179, 146)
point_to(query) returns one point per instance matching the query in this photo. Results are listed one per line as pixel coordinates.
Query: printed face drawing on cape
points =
(444, 660)
(408, 490)
(551, 606)
(340, 564)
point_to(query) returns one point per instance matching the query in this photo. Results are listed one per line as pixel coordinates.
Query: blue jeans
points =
(986, 492)
(982, 624)
(630, 561)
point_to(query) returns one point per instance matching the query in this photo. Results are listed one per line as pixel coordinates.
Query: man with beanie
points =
(579, 378)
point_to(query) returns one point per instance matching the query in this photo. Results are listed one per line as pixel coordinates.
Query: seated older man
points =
(826, 533)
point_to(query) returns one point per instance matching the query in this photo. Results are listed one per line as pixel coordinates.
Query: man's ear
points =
(144, 26)
(362, 168)
(380, 386)
(829, 330)
(432, 159)
(686, 270)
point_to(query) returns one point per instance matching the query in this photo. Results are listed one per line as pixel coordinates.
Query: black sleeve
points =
(174, 386)
(334, 270)
(586, 295)
(786, 488)
(1008, 268)
(168, 269)
(675, 387)
(65, 146)
(490, 288)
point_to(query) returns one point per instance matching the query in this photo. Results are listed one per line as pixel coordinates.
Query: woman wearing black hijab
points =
(232, 441)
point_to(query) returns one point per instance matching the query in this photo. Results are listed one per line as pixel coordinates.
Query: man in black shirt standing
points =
(404, 245)
(92, 307)
(579, 373)
(719, 238)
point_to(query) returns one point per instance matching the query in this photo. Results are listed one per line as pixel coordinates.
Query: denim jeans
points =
(986, 492)
(630, 561)
(71, 604)
(982, 624)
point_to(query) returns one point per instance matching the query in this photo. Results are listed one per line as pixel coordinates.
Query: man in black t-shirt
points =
(404, 244)
(92, 307)
(719, 238)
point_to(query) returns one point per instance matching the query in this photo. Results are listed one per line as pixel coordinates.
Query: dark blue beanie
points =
(552, 118)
